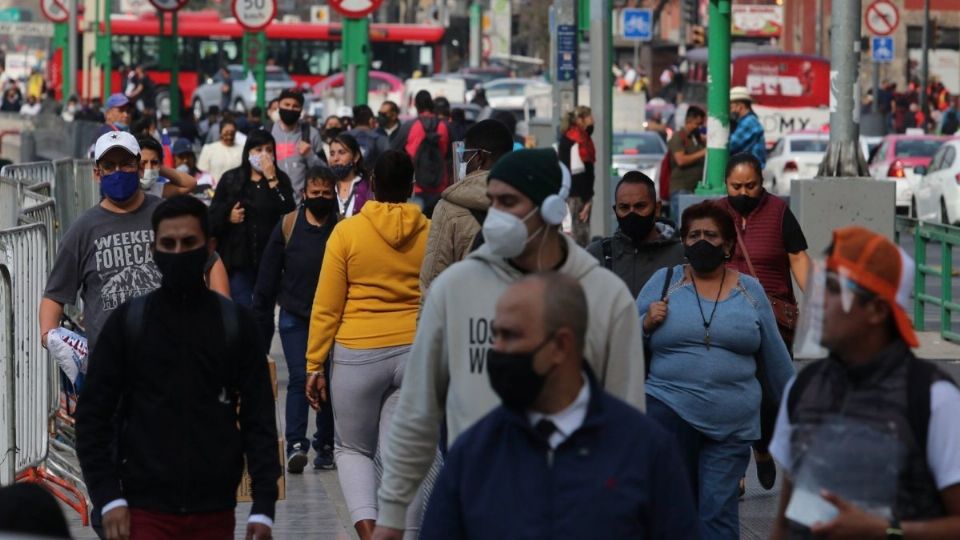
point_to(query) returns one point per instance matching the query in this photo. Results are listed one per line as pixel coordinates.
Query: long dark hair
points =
(257, 137)
(350, 142)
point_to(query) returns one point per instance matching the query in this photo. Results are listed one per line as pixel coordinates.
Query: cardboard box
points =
(245, 490)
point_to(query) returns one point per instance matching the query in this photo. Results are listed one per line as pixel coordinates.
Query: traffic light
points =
(698, 35)
(691, 11)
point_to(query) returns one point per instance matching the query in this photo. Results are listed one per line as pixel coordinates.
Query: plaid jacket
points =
(748, 137)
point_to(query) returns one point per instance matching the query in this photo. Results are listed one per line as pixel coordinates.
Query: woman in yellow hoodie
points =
(365, 309)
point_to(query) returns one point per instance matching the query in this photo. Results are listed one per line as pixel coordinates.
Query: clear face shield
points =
(459, 166)
(830, 294)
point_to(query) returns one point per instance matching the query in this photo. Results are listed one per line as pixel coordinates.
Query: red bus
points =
(308, 52)
(791, 92)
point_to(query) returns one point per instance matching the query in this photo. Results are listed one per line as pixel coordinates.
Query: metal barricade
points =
(36, 208)
(925, 233)
(23, 263)
(74, 189)
(33, 175)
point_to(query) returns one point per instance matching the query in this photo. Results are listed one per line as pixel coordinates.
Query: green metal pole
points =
(476, 31)
(356, 46)
(261, 74)
(946, 288)
(176, 103)
(919, 278)
(718, 98)
(61, 42)
(108, 52)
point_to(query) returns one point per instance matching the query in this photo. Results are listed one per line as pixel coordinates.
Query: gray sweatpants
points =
(364, 389)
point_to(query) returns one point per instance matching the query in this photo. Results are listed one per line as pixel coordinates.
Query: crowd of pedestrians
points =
(481, 373)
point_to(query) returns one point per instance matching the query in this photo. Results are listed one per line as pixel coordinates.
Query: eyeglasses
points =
(107, 167)
(464, 151)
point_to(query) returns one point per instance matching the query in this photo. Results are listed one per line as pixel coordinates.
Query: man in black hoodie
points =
(643, 243)
(177, 395)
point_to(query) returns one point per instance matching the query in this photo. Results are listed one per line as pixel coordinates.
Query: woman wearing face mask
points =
(288, 274)
(248, 203)
(578, 154)
(220, 156)
(331, 128)
(770, 247)
(346, 162)
(365, 310)
(711, 331)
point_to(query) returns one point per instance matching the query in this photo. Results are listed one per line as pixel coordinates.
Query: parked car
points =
(796, 155)
(937, 196)
(327, 95)
(637, 151)
(244, 94)
(897, 158)
(511, 93)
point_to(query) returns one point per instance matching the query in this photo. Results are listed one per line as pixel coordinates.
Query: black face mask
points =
(182, 272)
(637, 227)
(331, 133)
(590, 129)
(383, 120)
(704, 256)
(513, 379)
(289, 116)
(320, 207)
(743, 204)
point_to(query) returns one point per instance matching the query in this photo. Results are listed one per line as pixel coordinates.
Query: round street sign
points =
(54, 10)
(356, 9)
(254, 15)
(168, 5)
(882, 18)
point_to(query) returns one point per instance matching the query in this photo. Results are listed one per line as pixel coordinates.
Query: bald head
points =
(543, 303)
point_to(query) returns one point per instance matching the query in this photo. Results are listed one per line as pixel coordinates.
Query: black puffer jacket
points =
(635, 264)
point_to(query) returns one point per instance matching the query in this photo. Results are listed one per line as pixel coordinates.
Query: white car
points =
(511, 93)
(244, 95)
(937, 193)
(796, 155)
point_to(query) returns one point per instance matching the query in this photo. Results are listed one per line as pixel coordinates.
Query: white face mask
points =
(275, 116)
(256, 162)
(183, 167)
(505, 233)
(150, 177)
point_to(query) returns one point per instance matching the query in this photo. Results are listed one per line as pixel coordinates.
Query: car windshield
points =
(917, 147)
(637, 144)
(277, 75)
(809, 145)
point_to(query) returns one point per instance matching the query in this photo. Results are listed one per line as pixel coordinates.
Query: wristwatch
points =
(894, 532)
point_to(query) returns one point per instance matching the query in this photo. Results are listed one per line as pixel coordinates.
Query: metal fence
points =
(74, 189)
(944, 238)
(32, 175)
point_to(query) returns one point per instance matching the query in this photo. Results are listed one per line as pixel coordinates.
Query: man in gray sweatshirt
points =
(445, 376)
(298, 145)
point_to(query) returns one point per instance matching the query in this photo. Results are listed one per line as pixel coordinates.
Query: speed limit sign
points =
(254, 15)
(356, 9)
(55, 10)
(168, 5)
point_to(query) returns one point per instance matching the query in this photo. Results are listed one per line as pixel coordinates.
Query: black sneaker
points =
(324, 459)
(296, 460)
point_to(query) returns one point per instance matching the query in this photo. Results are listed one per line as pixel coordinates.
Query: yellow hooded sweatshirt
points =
(368, 295)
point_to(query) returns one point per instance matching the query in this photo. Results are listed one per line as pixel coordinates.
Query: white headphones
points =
(554, 208)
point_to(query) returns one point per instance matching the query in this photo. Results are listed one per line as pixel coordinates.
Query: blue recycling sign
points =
(881, 49)
(638, 24)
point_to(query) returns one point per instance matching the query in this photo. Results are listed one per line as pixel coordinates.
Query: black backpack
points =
(951, 122)
(428, 162)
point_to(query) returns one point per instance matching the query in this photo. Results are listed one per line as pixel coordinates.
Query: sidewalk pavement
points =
(314, 507)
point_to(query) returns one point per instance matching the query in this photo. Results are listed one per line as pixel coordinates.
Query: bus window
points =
(121, 51)
(148, 51)
(187, 54)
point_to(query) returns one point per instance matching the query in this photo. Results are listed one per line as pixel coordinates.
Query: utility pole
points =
(843, 157)
(356, 57)
(718, 97)
(601, 86)
(925, 60)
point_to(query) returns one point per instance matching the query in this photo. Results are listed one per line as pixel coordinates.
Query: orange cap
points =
(879, 266)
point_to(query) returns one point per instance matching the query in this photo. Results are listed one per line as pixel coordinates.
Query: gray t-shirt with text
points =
(106, 257)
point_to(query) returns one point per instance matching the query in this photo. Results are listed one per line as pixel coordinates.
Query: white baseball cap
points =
(116, 139)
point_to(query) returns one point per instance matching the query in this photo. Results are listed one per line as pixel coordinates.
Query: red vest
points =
(762, 233)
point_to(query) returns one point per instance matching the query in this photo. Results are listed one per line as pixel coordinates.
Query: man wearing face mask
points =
(116, 114)
(106, 253)
(298, 145)
(445, 375)
(748, 135)
(156, 178)
(196, 407)
(462, 209)
(642, 244)
(558, 426)
(388, 120)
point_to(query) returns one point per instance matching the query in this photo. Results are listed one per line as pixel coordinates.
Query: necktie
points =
(545, 429)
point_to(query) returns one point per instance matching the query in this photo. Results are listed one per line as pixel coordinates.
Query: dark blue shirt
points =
(289, 272)
(618, 476)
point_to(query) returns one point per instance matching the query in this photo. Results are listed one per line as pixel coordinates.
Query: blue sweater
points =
(618, 476)
(716, 391)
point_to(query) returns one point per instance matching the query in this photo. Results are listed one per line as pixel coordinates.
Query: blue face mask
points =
(119, 186)
(341, 171)
(121, 126)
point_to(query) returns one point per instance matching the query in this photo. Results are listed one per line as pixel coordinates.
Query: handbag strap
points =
(746, 255)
